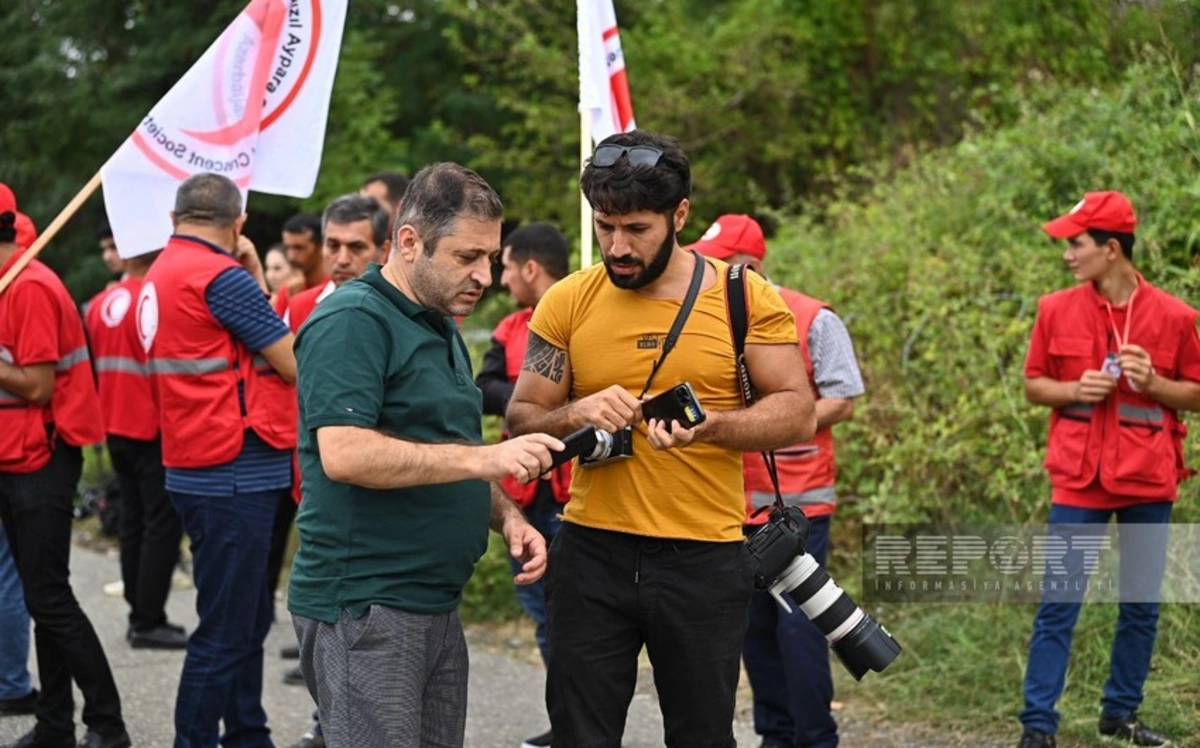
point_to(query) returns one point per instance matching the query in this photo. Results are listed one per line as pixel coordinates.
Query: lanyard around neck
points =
(1122, 340)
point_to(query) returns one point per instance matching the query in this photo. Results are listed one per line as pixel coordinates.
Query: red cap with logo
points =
(732, 235)
(26, 231)
(1103, 211)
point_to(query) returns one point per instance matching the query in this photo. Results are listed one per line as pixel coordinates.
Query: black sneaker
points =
(159, 637)
(290, 653)
(1037, 739)
(539, 741)
(1132, 730)
(21, 705)
(294, 677)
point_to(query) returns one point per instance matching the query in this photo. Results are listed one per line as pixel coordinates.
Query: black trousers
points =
(36, 511)
(149, 529)
(285, 515)
(610, 593)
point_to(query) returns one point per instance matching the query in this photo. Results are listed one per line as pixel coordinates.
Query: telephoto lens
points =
(782, 565)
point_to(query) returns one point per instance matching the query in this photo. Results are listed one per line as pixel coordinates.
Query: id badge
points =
(1112, 366)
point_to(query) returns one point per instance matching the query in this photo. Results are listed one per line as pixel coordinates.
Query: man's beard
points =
(651, 272)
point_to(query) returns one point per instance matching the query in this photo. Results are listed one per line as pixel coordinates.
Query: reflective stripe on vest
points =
(120, 364)
(1136, 413)
(187, 365)
(1076, 411)
(9, 400)
(822, 495)
(77, 356)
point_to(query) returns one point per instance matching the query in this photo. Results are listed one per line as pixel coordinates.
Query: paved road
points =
(506, 696)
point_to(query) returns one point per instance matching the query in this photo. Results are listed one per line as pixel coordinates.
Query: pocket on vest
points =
(1067, 447)
(1145, 454)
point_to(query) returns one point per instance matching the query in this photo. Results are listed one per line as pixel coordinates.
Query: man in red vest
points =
(1115, 359)
(48, 411)
(221, 363)
(534, 257)
(150, 529)
(786, 655)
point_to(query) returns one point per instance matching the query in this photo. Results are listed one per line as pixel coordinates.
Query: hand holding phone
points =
(676, 404)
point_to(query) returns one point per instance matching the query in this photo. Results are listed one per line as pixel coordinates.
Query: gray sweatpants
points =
(390, 679)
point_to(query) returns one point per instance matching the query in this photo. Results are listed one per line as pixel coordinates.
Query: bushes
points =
(938, 272)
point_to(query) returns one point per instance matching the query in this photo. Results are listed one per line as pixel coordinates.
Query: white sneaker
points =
(115, 589)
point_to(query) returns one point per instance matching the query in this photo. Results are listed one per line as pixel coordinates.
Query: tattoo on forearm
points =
(545, 359)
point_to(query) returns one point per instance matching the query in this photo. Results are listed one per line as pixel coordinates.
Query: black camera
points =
(781, 564)
(595, 447)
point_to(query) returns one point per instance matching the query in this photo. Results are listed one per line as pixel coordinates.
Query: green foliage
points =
(937, 271)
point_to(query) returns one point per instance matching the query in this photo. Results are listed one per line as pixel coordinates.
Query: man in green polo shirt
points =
(399, 491)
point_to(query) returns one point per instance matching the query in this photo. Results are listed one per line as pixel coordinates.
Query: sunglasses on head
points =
(606, 156)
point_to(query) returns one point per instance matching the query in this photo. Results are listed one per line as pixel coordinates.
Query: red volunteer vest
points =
(196, 365)
(1132, 441)
(513, 334)
(74, 408)
(119, 359)
(806, 471)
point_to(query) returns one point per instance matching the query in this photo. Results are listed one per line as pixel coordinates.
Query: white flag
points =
(603, 84)
(253, 108)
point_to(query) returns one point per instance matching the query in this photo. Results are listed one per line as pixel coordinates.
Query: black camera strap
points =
(677, 327)
(738, 307)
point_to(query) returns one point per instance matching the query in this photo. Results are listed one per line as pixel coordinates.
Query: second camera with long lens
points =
(781, 564)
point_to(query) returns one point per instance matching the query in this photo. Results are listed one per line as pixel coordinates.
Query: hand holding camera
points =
(610, 409)
(524, 457)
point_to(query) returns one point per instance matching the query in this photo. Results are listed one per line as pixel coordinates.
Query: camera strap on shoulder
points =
(737, 307)
(677, 327)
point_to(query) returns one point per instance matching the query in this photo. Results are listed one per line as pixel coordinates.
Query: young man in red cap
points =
(1116, 359)
(786, 655)
(48, 411)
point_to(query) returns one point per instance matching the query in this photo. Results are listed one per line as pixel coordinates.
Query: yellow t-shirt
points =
(614, 336)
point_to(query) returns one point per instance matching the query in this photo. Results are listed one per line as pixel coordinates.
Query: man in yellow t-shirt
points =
(651, 549)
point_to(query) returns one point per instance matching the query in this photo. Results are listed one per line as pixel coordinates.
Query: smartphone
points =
(676, 404)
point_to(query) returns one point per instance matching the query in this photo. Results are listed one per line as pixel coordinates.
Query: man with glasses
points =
(651, 552)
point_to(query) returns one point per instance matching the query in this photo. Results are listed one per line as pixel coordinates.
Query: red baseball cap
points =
(1104, 211)
(732, 235)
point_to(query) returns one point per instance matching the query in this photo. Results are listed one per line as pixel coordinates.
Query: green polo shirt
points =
(371, 357)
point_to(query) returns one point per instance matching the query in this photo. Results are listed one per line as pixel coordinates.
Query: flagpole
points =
(65, 215)
(585, 209)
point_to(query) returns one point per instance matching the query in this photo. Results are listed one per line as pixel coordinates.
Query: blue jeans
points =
(15, 682)
(1142, 568)
(787, 660)
(223, 671)
(544, 516)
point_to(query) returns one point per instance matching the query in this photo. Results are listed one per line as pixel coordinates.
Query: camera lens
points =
(603, 448)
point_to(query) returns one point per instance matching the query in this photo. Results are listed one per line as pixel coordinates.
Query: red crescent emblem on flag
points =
(276, 21)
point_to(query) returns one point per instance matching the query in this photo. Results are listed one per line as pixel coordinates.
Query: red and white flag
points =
(603, 85)
(253, 108)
